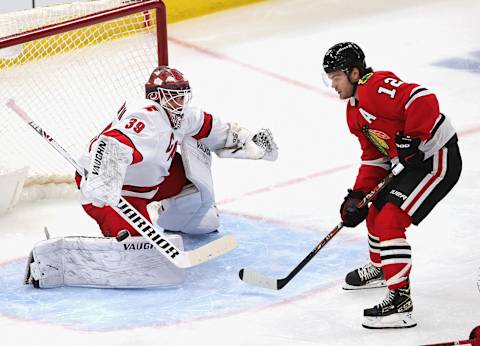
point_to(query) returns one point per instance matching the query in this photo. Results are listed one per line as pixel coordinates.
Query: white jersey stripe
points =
(423, 190)
(417, 95)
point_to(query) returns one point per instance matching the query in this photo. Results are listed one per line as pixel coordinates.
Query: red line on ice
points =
(274, 75)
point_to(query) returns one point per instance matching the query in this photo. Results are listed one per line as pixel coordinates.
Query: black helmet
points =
(343, 57)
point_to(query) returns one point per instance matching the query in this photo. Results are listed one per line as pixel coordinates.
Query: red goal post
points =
(70, 67)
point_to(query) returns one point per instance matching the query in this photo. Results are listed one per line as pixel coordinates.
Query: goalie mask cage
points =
(71, 67)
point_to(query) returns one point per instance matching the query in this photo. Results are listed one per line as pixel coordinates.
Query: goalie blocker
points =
(102, 263)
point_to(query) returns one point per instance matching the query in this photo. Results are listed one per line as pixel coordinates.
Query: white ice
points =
(260, 65)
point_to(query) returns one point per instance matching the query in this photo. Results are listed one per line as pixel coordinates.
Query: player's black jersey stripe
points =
(419, 90)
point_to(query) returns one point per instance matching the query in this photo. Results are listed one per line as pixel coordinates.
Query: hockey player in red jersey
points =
(394, 121)
(136, 157)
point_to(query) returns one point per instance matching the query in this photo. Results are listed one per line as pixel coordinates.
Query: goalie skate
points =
(364, 277)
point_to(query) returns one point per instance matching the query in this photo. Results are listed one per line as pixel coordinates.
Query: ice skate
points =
(364, 277)
(394, 312)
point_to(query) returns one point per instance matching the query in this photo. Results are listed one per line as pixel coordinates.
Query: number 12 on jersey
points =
(393, 82)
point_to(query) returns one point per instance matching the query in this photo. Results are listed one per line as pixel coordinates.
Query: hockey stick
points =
(260, 280)
(458, 342)
(473, 339)
(181, 259)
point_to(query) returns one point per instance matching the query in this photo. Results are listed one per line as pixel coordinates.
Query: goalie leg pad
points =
(102, 263)
(187, 213)
(192, 210)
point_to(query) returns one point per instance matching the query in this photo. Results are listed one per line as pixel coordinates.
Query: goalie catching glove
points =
(243, 144)
(108, 166)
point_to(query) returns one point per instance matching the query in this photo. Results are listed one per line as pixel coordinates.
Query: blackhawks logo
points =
(378, 139)
(365, 78)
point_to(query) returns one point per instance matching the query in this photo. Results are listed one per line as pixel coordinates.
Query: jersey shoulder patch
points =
(368, 86)
(365, 78)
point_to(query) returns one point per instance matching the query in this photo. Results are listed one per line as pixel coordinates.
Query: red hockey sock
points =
(395, 253)
(373, 239)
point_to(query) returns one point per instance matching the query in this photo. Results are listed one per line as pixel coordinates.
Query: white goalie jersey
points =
(143, 126)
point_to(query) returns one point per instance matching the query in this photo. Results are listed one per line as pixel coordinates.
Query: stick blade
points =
(259, 280)
(211, 250)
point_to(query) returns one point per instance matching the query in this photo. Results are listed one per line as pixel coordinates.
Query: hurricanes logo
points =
(365, 78)
(378, 139)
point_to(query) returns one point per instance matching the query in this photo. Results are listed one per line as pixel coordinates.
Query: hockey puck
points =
(122, 235)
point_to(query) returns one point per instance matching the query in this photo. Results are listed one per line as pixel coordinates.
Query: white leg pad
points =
(186, 212)
(193, 210)
(103, 263)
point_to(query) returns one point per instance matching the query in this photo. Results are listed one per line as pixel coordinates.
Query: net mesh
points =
(71, 83)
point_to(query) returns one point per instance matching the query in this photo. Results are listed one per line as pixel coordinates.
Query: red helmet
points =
(168, 87)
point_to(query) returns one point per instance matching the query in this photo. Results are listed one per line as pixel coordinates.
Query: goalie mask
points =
(168, 87)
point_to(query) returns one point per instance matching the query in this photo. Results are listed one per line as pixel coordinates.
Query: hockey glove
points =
(351, 215)
(243, 144)
(408, 152)
(264, 139)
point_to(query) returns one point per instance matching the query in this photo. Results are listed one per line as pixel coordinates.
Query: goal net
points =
(70, 67)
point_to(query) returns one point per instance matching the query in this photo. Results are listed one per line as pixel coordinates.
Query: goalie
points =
(136, 157)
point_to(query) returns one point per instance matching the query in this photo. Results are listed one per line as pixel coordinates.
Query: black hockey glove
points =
(408, 153)
(351, 215)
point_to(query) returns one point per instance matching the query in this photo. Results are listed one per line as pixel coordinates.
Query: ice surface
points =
(261, 66)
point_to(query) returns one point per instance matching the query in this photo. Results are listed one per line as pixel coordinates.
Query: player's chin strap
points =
(355, 84)
(243, 144)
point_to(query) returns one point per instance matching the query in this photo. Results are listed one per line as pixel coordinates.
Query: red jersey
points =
(385, 105)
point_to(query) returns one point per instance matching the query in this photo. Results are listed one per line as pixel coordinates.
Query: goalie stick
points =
(181, 259)
(257, 279)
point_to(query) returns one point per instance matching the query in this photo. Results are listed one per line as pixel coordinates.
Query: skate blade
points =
(375, 284)
(394, 321)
